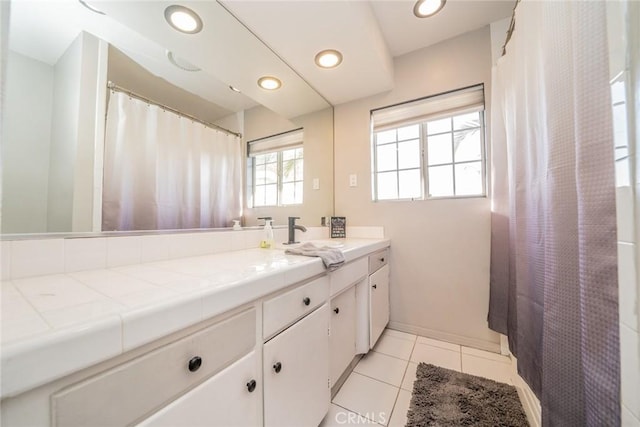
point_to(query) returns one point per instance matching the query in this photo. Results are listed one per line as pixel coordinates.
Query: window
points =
(275, 170)
(430, 148)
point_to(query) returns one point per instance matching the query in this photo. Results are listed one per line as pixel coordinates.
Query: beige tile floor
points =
(378, 391)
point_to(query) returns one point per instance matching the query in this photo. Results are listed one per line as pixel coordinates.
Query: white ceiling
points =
(368, 33)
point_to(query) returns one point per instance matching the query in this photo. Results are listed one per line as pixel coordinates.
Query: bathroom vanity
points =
(260, 340)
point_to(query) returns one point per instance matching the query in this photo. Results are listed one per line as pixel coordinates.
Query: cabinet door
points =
(378, 304)
(296, 373)
(342, 339)
(230, 398)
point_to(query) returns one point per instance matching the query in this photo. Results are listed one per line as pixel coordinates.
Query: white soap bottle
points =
(267, 241)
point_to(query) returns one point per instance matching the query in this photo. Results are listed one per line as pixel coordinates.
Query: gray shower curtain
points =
(553, 256)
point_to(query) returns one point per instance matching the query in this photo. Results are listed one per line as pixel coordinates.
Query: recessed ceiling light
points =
(181, 63)
(91, 8)
(269, 83)
(426, 8)
(183, 19)
(329, 58)
(235, 89)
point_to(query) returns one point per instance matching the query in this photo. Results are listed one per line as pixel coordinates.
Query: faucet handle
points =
(292, 219)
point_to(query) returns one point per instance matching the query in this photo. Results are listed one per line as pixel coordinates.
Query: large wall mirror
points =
(62, 55)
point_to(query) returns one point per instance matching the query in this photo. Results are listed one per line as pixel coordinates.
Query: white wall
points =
(70, 203)
(624, 38)
(440, 248)
(26, 129)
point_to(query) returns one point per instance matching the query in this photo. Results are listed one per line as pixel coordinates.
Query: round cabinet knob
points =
(251, 385)
(381, 259)
(277, 367)
(337, 310)
(306, 300)
(375, 286)
(195, 363)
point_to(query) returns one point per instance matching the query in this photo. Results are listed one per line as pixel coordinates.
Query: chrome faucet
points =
(292, 229)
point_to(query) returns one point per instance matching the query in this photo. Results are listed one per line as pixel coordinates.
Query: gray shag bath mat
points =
(442, 397)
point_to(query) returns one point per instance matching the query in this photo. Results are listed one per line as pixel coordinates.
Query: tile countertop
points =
(55, 325)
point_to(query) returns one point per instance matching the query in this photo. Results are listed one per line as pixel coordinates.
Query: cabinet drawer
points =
(224, 400)
(281, 311)
(378, 260)
(127, 392)
(347, 275)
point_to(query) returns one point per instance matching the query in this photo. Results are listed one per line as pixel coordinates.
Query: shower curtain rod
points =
(512, 26)
(117, 88)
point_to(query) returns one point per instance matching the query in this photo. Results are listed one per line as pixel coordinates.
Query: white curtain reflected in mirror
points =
(164, 171)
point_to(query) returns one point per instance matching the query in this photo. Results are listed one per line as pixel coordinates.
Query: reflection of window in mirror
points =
(275, 170)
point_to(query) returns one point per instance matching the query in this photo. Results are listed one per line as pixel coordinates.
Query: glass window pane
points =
(298, 196)
(623, 176)
(386, 157)
(387, 186)
(258, 197)
(439, 149)
(618, 92)
(271, 173)
(271, 195)
(260, 175)
(271, 157)
(288, 154)
(259, 160)
(409, 183)
(464, 121)
(467, 145)
(441, 181)
(288, 196)
(439, 126)
(299, 170)
(386, 136)
(408, 132)
(299, 152)
(469, 179)
(409, 154)
(288, 170)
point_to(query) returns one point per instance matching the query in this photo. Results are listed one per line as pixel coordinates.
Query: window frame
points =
(424, 160)
(279, 178)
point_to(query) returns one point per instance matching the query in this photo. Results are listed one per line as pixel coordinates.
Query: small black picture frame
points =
(338, 227)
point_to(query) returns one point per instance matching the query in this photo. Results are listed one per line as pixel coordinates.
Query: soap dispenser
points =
(236, 225)
(267, 240)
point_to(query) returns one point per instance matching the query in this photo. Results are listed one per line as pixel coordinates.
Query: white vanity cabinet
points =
(378, 295)
(342, 341)
(231, 398)
(131, 391)
(296, 373)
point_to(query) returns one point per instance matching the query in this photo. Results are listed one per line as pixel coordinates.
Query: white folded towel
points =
(331, 257)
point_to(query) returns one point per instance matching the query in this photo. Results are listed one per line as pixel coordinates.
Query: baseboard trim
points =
(530, 402)
(336, 387)
(445, 336)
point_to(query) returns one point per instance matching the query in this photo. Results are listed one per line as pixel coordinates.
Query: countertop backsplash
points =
(27, 258)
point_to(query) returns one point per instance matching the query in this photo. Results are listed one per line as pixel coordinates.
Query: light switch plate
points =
(316, 183)
(353, 180)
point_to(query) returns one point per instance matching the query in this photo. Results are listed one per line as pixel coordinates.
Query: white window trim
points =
(390, 121)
